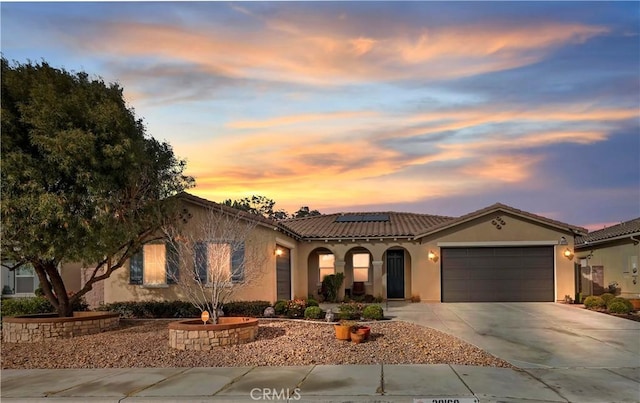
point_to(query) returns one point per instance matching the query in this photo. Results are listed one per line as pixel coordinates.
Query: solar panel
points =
(363, 218)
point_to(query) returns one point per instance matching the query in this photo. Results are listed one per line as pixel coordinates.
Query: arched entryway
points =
(321, 261)
(358, 272)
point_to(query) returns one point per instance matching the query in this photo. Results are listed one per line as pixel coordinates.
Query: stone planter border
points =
(192, 334)
(42, 327)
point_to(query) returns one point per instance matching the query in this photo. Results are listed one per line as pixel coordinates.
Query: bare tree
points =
(217, 255)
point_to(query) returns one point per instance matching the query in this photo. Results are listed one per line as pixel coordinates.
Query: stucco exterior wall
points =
(618, 259)
(260, 272)
(343, 250)
(516, 231)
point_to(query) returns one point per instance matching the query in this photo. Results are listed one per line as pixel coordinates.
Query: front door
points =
(283, 273)
(395, 274)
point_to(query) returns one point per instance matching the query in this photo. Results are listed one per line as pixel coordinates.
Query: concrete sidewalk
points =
(322, 383)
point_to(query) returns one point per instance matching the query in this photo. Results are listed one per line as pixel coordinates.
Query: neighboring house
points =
(498, 253)
(609, 257)
(21, 282)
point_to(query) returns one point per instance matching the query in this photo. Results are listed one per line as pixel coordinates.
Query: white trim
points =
(497, 243)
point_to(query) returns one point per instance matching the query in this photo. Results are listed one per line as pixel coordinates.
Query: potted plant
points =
(343, 329)
(364, 330)
(356, 337)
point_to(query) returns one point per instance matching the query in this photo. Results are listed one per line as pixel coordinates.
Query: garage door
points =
(503, 274)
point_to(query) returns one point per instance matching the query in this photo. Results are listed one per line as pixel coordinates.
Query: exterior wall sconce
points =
(432, 256)
(279, 252)
(563, 241)
(568, 254)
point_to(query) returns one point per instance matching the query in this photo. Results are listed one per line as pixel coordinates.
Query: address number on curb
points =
(448, 399)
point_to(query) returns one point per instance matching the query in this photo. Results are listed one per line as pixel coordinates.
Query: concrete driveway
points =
(534, 335)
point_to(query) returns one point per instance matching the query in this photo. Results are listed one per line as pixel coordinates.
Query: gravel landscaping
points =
(145, 343)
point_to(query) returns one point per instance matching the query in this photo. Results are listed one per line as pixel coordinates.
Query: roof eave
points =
(589, 244)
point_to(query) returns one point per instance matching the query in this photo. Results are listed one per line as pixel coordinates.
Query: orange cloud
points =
(288, 53)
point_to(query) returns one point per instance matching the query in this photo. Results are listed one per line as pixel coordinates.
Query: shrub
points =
(607, 296)
(331, 284)
(312, 302)
(313, 312)
(618, 307)
(280, 307)
(593, 302)
(245, 308)
(25, 306)
(350, 310)
(415, 298)
(152, 309)
(624, 301)
(295, 308)
(373, 312)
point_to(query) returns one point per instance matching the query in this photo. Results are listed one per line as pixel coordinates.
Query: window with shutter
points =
(237, 263)
(156, 264)
(173, 264)
(135, 268)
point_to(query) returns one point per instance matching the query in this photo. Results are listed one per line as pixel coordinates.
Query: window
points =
(156, 264)
(219, 261)
(25, 280)
(326, 264)
(361, 267)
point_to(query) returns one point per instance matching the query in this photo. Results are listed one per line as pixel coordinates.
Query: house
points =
(609, 257)
(498, 253)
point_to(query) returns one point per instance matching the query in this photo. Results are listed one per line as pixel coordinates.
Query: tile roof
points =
(399, 225)
(266, 222)
(508, 209)
(631, 227)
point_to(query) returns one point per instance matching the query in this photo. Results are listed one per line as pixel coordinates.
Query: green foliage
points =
(25, 306)
(621, 300)
(152, 309)
(607, 296)
(313, 312)
(373, 312)
(331, 285)
(593, 302)
(618, 307)
(305, 212)
(280, 307)
(81, 181)
(295, 308)
(350, 310)
(258, 205)
(312, 302)
(245, 308)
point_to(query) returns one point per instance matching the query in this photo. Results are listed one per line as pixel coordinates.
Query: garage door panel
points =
(496, 274)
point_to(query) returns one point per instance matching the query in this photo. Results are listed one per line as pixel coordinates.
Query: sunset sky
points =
(440, 108)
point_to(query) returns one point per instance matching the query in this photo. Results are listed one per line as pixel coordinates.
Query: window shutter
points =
(201, 262)
(237, 264)
(172, 264)
(136, 268)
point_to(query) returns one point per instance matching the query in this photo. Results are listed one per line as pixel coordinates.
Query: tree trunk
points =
(53, 287)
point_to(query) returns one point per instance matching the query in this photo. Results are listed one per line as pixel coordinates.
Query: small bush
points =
(25, 306)
(607, 296)
(593, 302)
(295, 308)
(415, 298)
(618, 307)
(280, 307)
(373, 312)
(350, 310)
(624, 301)
(245, 308)
(152, 309)
(312, 302)
(313, 312)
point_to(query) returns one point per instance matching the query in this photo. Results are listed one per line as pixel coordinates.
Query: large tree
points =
(81, 180)
(264, 206)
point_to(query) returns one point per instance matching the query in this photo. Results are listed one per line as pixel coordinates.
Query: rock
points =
(269, 312)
